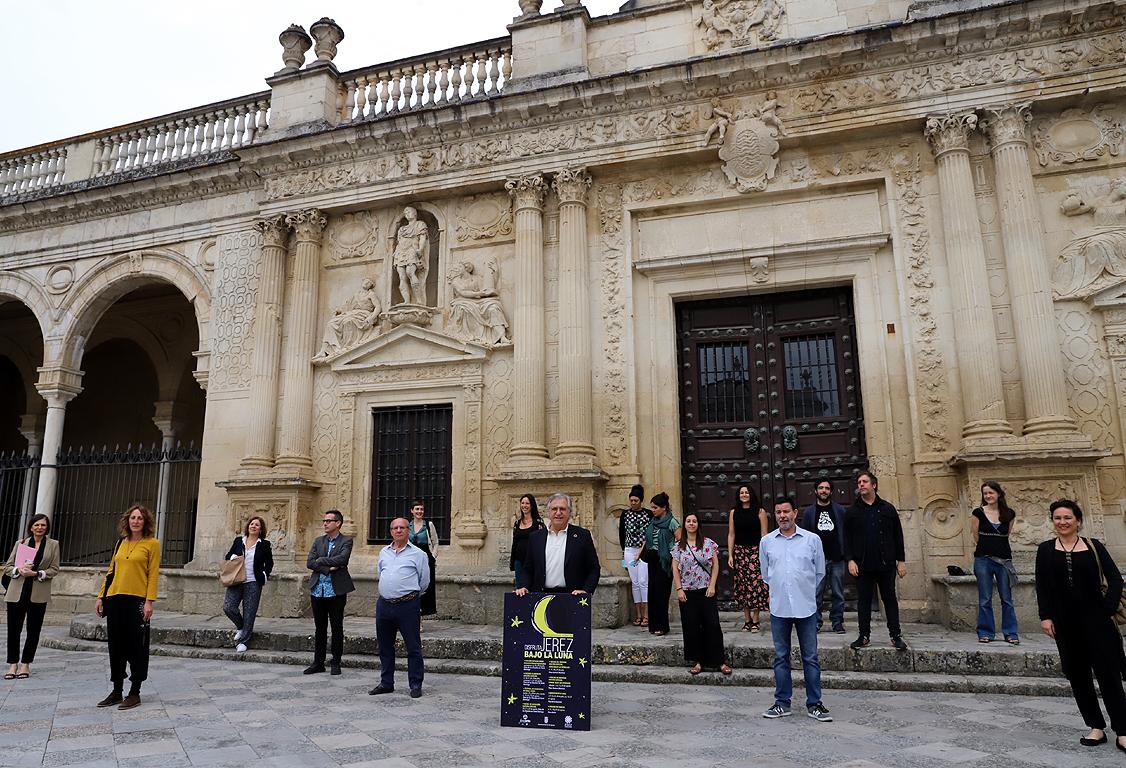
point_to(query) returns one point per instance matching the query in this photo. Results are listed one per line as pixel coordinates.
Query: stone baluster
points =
(5, 176)
(114, 154)
(382, 107)
(443, 81)
(494, 72)
(432, 84)
(129, 151)
(982, 397)
(267, 345)
(393, 104)
(24, 176)
(42, 169)
(263, 117)
(575, 431)
(294, 455)
(209, 145)
(482, 73)
(227, 121)
(58, 386)
(240, 125)
(1026, 261)
(350, 88)
(506, 67)
(528, 320)
(148, 145)
(100, 153)
(455, 78)
(199, 144)
(163, 143)
(251, 129)
(419, 86)
(61, 166)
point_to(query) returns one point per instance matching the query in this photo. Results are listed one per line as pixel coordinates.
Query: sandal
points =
(637, 622)
(1013, 640)
(23, 675)
(984, 640)
(746, 626)
(660, 633)
(644, 623)
(10, 676)
(696, 670)
(725, 669)
(754, 626)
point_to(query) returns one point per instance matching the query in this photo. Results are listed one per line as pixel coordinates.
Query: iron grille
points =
(96, 485)
(725, 390)
(812, 389)
(411, 458)
(19, 475)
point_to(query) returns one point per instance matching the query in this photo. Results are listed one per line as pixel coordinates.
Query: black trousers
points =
(16, 613)
(1098, 649)
(128, 635)
(328, 610)
(703, 636)
(866, 583)
(660, 586)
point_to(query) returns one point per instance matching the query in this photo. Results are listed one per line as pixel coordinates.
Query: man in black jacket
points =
(825, 517)
(561, 557)
(873, 547)
(329, 585)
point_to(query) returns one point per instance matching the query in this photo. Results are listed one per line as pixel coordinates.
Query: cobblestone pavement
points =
(208, 713)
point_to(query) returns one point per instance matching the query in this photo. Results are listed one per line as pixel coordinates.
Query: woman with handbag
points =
(656, 551)
(29, 591)
(247, 565)
(1079, 590)
(695, 568)
(993, 561)
(126, 601)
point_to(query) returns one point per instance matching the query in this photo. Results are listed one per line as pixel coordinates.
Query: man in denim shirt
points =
(329, 586)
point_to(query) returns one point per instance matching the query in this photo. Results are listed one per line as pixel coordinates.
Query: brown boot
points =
(113, 698)
(130, 701)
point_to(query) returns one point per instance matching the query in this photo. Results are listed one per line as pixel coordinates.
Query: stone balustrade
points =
(433, 80)
(29, 171)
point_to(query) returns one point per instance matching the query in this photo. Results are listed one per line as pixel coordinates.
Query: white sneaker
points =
(240, 648)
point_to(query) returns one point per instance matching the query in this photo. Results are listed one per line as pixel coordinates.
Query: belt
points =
(404, 599)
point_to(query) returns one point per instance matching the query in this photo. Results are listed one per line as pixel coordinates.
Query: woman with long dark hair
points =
(746, 525)
(527, 520)
(656, 550)
(631, 536)
(422, 533)
(1074, 611)
(993, 562)
(29, 592)
(126, 601)
(258, 560)
(695, 569)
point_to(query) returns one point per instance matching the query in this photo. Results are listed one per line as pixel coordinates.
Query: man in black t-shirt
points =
(825, 517)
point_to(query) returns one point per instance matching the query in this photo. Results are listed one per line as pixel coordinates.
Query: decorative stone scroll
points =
(475, 312)
(740, 23)
(748, 144)
(353, 322)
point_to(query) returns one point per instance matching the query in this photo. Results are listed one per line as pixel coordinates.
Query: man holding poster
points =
(561, 557)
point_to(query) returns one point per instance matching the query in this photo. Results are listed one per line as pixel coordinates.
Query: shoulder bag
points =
(233, 572)
(1120, 614)
(112, 568)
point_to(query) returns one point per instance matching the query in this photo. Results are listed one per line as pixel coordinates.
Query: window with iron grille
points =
(411, 458)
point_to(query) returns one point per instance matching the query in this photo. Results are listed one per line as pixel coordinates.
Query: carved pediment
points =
(408, 345)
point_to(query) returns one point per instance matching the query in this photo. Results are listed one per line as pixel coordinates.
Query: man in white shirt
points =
(793, 564)
(404, 574)
(561, 557)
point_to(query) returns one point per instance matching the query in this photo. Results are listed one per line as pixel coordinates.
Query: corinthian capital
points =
(949, 132)
(527, 191)
(1007, 123)
(274, 231)
(571, 184)
(307, 224)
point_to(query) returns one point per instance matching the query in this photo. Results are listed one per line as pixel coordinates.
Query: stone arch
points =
(29, 293)
(98, 289)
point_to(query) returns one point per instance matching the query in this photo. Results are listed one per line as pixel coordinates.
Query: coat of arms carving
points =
(740, 22)
(748, 144)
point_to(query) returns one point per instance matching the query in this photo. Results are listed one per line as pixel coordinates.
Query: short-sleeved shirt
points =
(693, 573)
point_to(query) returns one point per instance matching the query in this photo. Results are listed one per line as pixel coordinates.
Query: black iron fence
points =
(19, 475)
(96, 485)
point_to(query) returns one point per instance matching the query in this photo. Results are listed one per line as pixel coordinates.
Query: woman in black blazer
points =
(255, 547)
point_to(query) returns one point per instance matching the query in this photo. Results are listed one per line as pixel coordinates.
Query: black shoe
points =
(113, 698)
(416, 693)
(334, 668)
(130, 701)
(381, 688)
(839, 629)
(314, 669)
(1093, 742)
(898, 644)
(858, 643)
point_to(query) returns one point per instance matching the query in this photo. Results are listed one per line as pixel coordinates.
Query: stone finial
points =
(328, 34)
(530, 8)
(295, 41)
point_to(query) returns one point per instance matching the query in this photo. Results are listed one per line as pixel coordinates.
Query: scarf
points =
(659, 538)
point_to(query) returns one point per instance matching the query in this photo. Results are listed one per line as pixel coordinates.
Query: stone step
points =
(927, 653)
(623, 673)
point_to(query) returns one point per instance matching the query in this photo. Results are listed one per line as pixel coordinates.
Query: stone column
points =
(168, 427)
(982, 397)
(575, 435)
(32, 426)
(528, 334)
(1026, 261)
(263, 399)
(58, 386)
(294, 455)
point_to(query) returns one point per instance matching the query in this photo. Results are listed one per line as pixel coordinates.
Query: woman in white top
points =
(259, 557)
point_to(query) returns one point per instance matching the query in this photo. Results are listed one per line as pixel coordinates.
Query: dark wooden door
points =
(770, 398)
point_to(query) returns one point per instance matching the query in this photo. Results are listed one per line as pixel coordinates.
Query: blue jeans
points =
(987, 571)
(781, 628)
(832, 580)
(405, 619)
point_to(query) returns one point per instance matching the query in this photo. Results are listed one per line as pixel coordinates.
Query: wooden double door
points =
(770, 398)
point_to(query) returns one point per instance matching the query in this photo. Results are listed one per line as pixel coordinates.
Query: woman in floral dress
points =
(746, 525)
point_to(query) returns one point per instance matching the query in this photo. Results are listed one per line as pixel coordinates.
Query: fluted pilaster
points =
(528, 320)
(982, 397)
(301, 343)
(263, 399)
(1041, 366)
(575, 436)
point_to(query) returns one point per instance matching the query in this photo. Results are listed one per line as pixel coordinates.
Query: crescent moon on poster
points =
(539, 619)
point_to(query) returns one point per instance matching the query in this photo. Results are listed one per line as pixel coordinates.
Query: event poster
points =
(546, 671)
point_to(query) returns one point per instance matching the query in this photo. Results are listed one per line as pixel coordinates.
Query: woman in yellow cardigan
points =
(126, 600)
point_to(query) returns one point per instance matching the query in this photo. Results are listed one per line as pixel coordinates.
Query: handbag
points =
(109, 575)
(1120, 614)
(233, 572)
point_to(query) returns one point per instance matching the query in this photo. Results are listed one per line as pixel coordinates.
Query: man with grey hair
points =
(561, 557)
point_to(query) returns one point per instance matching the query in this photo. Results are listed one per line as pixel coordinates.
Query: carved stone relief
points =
(352, 323)
(497, 412)
(739, 23)
(325, 411)
(59, 279)
(353, 236)
(1030, 500)
(235, 290)
(1096, 259)
(748, 144)
(475, 312)
(942, 519)
(1077, 135)
(1087, 373)
(611, 377)
(484, 218)
(413, 256)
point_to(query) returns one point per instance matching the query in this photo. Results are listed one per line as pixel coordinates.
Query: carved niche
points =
(1078, 135)
(739, 23)
(414, 267)
(1096, 259)
(748, 143)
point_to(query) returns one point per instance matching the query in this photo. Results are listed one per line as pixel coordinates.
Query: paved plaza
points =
(199, 712)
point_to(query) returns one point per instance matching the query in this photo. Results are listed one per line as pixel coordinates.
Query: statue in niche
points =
(1096, 259)
(412, 257)
(351, 321)
(475, 311)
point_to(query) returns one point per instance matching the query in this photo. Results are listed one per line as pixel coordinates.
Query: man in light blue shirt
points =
(793, 564)
(404, 574)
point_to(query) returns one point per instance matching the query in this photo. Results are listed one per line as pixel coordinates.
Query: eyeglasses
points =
(330, 520)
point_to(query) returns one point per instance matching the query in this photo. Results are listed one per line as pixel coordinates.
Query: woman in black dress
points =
(1079, 617)
(423, 535)
(527, 520)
